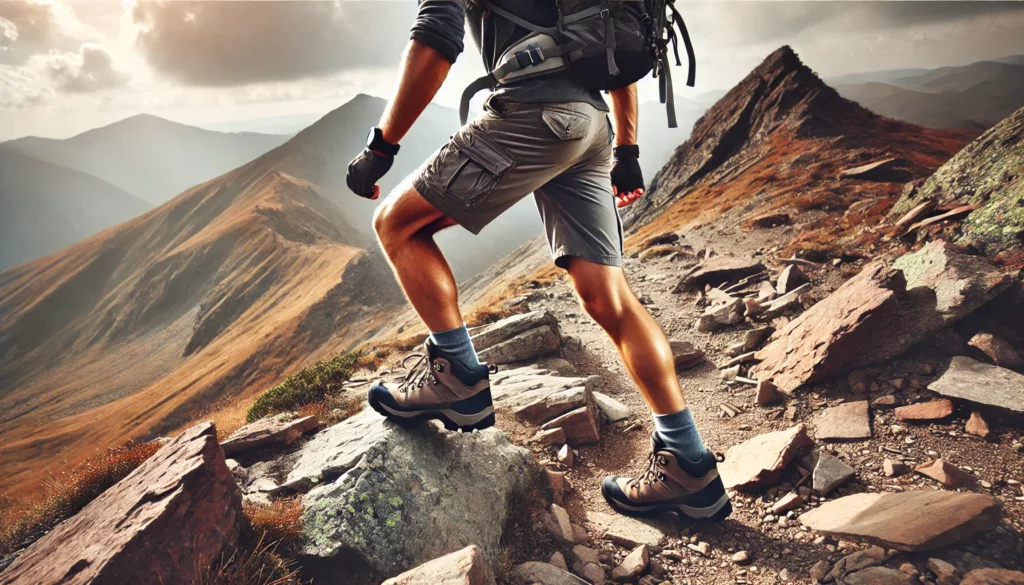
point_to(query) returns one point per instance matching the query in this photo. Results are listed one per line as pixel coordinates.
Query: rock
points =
(554, 436)
(879, 576)
(237, 471)
(628, 532)
(945, 573)
(162, 524)
(993, 577)
(556, 481)
(558, 560)
(767, 393)
(819, 570)
(789, 279)
(560, 366)
(931, 410)
(594, 573)
(974, 381)
(685, 354)
(977, 426)
(718, 269)
(383, 490)
(462, 567)
(559, 525)
(787, 502)
(631, 567)
(893, 468)
(915, 214)
(731, 373)
(719, 316)
(887, 170)
(518, 338)
(545, 574)
(582, 556)
(612, 409)
(829, 473)
(849, 421)
(998, 350)
(760, 461)
(553, 404)
(281, 429)
(785, 304)
(945, 473)
(741, 558)
(858, 561)
(566, 456)
(767, 221)
(985, 173)
(887, 401)
(906, 521)
(579, 426)
(661, 239)
(879, 314)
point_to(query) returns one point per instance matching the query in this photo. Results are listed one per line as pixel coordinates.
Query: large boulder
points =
(462, 567)
(163, 524)
(390, 498)
(908, 521)
(879, 314)
(986, 173)
(518, 338)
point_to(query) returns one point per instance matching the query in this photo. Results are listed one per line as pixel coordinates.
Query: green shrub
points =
(310, 385)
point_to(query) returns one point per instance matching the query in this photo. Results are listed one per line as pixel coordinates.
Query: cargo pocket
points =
(472, 166)
(566, 124)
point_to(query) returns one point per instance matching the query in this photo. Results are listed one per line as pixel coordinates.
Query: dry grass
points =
(23, 522)
(375, 354)
(260, 564)
(485, 315)
(279, 523)
(521, 541)
(334, 408)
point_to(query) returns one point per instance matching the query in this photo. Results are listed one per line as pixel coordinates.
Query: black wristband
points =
(626, 152)
(375, 141)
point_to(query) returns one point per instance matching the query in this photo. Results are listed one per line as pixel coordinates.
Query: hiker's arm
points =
(624, 114)
(627, 179)
(435, 43)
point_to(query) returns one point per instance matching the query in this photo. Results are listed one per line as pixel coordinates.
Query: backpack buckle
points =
(605, 14)
(531, 56)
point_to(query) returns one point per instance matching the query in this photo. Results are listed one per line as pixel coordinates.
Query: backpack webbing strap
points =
(665, 89)
(517, 20)
(677, 20)
(485, 82)
(609, 38)
(531, 56)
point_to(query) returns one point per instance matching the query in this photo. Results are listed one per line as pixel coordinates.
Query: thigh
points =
(579, 214)
(404, 211)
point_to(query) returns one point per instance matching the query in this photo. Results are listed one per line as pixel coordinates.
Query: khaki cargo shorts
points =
(560, 152)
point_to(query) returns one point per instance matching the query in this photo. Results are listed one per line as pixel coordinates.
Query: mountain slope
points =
(150, 157)
(776, 143)
(46, 207)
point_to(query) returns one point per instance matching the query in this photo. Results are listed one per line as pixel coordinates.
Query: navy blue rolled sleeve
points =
(440, 24)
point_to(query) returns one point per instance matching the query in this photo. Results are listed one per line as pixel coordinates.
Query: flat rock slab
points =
(629, 532)
(850, 421)
(972, 380)
(518, 338)
(545, 574)
(908, 521)
(878, 576)
(719, 269)
(829, 473)
(162, 524)
(945, 473)
(580, 426)
(760, 461)
(462, 567)
(390, 498)
(281, 429)
(993, 577)
(612, 409)
(931, 410)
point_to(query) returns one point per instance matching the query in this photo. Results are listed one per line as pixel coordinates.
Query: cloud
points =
(222, 44)
(91, 69)
(30, 28)
(20, 87)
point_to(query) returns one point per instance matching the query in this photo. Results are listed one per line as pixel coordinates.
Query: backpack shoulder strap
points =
(516, 19)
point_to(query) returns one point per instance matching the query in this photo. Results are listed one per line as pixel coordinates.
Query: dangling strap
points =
(485, 82)
(609, 38)
(677, 19)
(667, 95)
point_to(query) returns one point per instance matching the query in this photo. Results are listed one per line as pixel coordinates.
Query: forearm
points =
(422, 71)
(624, 114)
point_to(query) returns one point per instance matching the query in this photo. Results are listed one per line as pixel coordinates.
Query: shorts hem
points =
(563, 255)
(451, 211)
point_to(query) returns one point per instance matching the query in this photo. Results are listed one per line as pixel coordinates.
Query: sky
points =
(67, 66)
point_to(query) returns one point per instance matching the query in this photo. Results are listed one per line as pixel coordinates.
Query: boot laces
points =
(418, 373)
(653, 472)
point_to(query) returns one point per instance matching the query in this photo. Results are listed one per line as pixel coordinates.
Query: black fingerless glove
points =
(365, 170)
(626, 173)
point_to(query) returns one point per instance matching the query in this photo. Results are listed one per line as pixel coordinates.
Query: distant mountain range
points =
(972, 97)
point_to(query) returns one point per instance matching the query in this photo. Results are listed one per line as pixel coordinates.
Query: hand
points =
(627, 178)
(365, 170)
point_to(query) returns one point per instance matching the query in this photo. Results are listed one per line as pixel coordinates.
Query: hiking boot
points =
(671, 483)
(437, 388)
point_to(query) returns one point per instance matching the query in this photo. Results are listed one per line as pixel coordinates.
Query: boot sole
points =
(453, 421)
(720, 511)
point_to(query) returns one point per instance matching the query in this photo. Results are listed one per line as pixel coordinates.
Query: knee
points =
(600, 300)
(382, 221)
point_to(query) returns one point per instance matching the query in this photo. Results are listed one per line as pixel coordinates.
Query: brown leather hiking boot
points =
(671, 483)
(437, 388)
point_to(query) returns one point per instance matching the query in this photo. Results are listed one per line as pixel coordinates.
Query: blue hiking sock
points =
(457, 345)
(679, 432)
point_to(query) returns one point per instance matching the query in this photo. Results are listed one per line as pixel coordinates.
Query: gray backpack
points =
(600, 44)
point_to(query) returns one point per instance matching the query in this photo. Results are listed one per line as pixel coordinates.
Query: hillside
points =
(973, 97)
(150, 157)
(45, 207)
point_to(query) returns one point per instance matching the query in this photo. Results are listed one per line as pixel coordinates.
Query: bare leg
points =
(405, 224)
(605, 295)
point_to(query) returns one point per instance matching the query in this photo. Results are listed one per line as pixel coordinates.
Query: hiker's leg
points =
(406, 224)
(606, 296)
